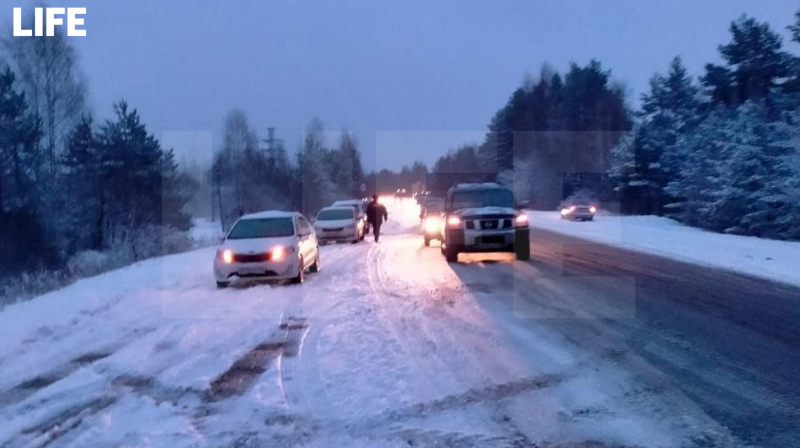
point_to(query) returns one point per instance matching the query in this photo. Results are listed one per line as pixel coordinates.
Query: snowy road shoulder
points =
(770, 259)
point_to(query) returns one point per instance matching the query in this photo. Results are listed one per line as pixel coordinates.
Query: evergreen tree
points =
(756, 65)
(83, 218)
(23, 245)
(647, 159)
(138, 178)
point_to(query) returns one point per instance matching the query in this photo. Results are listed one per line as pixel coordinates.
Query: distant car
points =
(578, 209)
(271, 245)
(339, 224)
(483, 218)
(432, 221)
(434, 202)
(361, 208)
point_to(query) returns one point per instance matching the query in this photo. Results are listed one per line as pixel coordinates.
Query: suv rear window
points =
(334, 214)
(262, 228)
(494, 197)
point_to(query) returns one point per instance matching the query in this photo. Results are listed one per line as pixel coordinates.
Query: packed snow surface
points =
(388, 346)
(771, 259)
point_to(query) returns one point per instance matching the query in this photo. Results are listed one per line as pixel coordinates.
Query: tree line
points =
(718, 152)
(249, 174)
(70, 186)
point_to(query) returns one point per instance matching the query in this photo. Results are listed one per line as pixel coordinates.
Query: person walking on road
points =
(376, 215)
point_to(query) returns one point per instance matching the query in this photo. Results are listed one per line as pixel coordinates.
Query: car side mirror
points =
(523, 204)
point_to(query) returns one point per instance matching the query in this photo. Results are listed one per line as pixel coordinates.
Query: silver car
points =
(339, 224)
(361, 209)
(272, 245)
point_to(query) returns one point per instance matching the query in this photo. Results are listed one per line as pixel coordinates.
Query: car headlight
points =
(278, 253)
(521, 221)
(226, 255)
(432, 224)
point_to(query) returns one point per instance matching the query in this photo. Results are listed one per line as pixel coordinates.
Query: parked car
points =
(431, 217)
(578, 209)
(339, 224)
(361, 208)
(483, 217)
(271, 245)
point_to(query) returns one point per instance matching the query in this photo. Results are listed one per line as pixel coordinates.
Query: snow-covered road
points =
(388, 346)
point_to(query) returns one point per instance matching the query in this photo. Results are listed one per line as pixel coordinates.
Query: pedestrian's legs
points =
(376, 231)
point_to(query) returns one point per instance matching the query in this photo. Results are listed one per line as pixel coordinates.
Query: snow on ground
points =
(205, 233)
(771, 259)
(388, 346)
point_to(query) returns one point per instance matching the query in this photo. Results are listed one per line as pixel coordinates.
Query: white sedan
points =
(273, 245)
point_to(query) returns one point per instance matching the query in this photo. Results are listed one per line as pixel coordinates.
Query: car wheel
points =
(451, 254)
(222, 285)
(316, 266)
(522, 246)
(300, 274)
(427, 242)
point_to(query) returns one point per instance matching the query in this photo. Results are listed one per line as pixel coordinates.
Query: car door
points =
(308, 240)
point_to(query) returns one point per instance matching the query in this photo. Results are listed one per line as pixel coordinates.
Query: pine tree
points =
(647, 158)
(756, 65)
(82, 174)
(23, 245)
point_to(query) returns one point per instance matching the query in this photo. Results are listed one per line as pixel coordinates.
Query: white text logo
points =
(52, 20)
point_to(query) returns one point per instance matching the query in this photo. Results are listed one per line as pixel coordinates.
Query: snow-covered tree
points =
(647, 158)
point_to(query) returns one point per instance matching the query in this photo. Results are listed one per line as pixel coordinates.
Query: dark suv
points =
(483, 218)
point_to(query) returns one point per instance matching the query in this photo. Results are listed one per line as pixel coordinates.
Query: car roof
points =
(337, 207)
(269, 214)
(478, 186)
(347, 202)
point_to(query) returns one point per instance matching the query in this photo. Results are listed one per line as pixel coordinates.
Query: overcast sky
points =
(410, 78)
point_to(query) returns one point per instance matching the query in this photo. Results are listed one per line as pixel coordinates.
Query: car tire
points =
(222, 285)
(522, 246)
(451, 254)
(427, 242)
(300, 274)
(316, 266)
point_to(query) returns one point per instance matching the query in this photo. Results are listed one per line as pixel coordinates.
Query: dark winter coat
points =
(376, 213)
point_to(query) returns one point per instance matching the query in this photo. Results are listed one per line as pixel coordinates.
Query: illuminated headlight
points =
(432, 224)
(593, 209)
(227, 256)
(568, 210)
(278, 253)
(521, 221)
(453, 221)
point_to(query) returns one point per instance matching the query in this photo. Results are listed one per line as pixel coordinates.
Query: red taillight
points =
(453, 221)
(227, 256)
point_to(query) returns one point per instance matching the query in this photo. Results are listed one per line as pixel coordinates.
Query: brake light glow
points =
(227, 256)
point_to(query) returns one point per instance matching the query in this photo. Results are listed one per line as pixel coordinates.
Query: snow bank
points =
(771, 259)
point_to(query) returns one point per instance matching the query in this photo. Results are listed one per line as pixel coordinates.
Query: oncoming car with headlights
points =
(272, 245)
(483, 217)
(432, 220)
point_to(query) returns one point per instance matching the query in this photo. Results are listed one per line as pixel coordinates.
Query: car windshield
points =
(262, 228)
(434, 206)
(333, 214)
(492, 197)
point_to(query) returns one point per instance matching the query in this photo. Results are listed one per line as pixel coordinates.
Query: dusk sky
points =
(410, 78)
